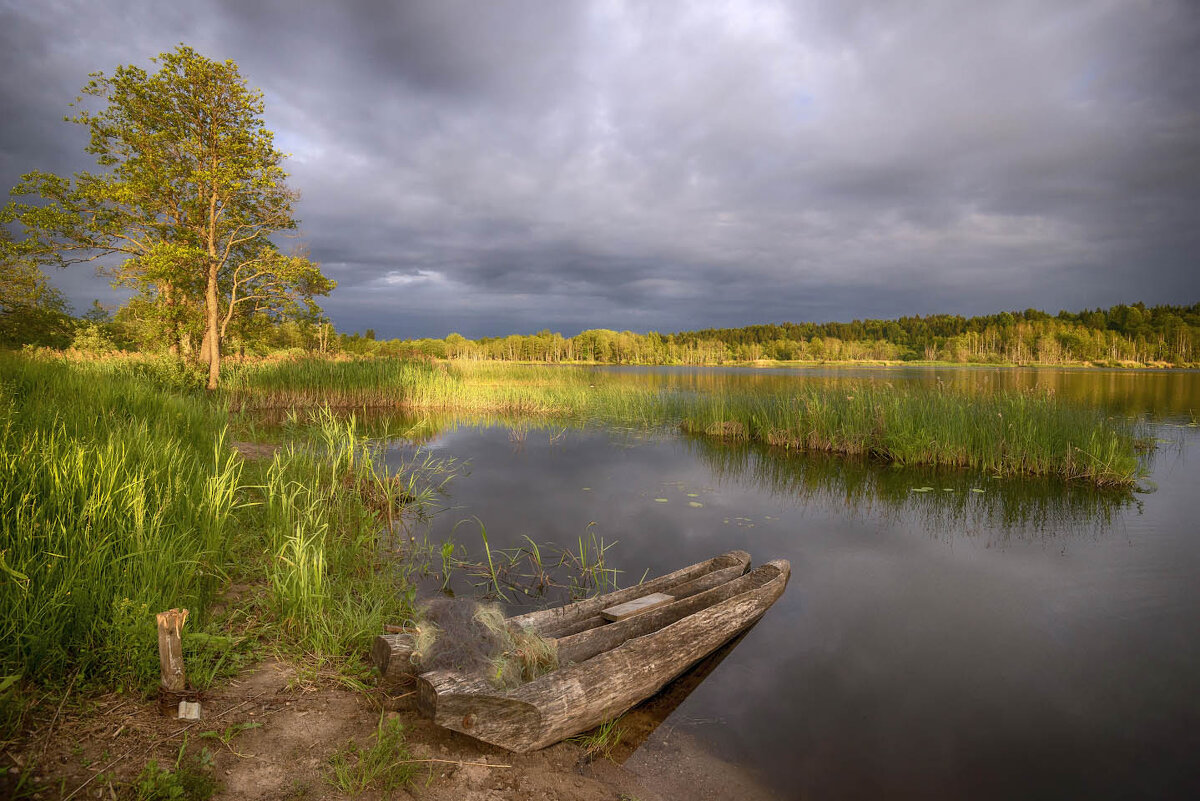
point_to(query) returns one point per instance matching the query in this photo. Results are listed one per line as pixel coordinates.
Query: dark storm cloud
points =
(504, 167)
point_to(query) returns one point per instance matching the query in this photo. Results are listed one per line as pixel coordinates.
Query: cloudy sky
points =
(506, 166)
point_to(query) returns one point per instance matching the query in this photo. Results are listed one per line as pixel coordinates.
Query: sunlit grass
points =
(110, 493)
(120, 497)
(1006, 433)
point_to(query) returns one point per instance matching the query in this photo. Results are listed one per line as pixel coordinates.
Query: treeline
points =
(1133, 334)
(1121, 334)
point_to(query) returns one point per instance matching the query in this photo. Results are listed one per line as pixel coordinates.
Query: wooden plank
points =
(549, 622)
(637, 606)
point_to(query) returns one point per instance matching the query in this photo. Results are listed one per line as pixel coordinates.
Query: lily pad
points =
(695, 505)
(660, 500)
(922, 489)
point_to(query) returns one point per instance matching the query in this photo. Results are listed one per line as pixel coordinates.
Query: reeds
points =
(112, 496)
(1006, 433)
(120, 497)
(536, 570)
(1010, 433)
(330, 511)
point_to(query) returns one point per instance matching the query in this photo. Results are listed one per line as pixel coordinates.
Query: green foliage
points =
(31, 311)
(190, 779)
(190, 190)
(1123, 334)
(115, 500)
(91, 338)
(385, 766)
(601, 741)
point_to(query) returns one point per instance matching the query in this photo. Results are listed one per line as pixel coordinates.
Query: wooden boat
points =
(607, 665)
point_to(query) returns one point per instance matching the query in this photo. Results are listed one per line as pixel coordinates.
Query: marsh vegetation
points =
(1009, 433)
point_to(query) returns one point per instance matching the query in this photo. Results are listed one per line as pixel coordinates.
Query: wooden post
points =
(170, 649)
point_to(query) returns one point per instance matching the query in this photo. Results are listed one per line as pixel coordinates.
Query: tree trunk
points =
(212, 334)
(173, 333)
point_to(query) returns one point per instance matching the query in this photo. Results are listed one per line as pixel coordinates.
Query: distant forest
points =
(1122, 335)
(1134, 334)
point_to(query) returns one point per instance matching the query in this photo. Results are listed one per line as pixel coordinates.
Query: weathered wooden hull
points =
(606, 669)
(390, 652)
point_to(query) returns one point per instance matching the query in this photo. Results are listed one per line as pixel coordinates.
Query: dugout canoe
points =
(606, 666)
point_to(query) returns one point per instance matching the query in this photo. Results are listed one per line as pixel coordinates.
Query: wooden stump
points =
(392, 654)
(170, 649)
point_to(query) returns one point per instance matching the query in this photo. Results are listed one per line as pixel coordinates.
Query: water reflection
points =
(1029, 639)
(948, 504)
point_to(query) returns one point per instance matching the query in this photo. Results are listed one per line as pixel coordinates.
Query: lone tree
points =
(190, 191)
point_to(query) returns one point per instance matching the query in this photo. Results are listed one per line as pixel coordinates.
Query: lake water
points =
(983, 638)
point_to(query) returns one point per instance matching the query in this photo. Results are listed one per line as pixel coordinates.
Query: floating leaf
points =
(660, 500)
(695, 505)
(587, 489)
(922, 489)
(693, 495)
(977, 489)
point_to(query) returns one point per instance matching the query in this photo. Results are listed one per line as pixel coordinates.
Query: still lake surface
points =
(983, 638)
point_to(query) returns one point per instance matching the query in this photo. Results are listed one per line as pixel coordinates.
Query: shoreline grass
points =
(119, 499)
(1006, 433)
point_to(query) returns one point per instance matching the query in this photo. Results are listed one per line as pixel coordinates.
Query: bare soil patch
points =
(271, 735)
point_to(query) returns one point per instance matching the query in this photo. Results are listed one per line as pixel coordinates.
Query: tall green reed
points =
(113, 496)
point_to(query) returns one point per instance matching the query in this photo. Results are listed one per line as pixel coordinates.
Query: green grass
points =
(114, 497)
(1004, 434)
(385, 765)
(120, 497)
(189, 779)
(602, 740)
(1007, 433)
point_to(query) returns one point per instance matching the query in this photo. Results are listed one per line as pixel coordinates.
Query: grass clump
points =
(330, 513)
(1011, 433)
(189, 779)
(385, 766)
(601, 741)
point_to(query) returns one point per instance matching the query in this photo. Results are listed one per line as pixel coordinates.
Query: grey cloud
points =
(510, 166)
